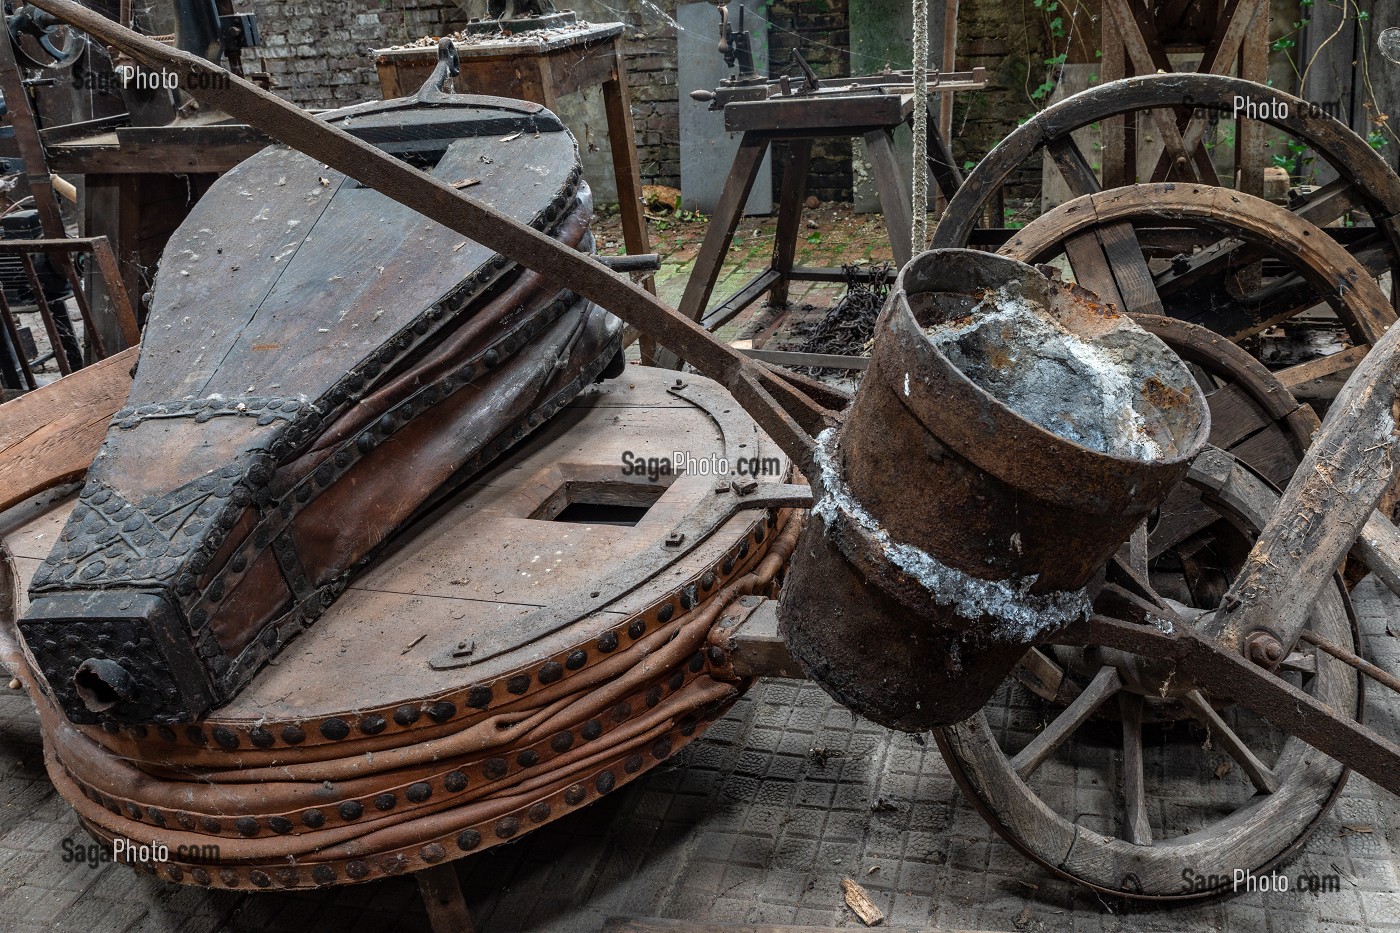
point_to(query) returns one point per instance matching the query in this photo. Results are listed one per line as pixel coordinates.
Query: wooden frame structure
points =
(1137, 42)
(791, 123)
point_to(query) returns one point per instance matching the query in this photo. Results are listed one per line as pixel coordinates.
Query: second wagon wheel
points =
(1252, 223)
(1168, 819)
(1140, 260)
(1136, 802)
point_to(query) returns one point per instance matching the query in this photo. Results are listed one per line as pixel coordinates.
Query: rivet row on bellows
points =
(476, 774)
(501, 829)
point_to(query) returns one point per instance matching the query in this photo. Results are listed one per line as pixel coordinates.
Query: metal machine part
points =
(736, 45)
(42, 40)
(514, 16)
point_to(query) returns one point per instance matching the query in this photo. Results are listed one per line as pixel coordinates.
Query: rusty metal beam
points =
(1333, 732)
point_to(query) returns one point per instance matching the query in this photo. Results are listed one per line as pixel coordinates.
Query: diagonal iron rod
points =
(790, 418)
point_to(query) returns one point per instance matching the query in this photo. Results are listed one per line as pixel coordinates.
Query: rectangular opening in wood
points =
(599, 503)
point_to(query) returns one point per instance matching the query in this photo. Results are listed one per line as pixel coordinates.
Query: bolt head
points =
(1264, 649)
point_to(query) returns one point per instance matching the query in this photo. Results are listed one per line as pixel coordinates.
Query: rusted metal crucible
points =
(1009, 436)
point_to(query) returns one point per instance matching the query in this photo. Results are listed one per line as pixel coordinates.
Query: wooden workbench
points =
(544, 66)
(141, 181)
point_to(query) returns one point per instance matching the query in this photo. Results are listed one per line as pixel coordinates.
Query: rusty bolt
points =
(721, 487)
(1264, 649)
(675, 539)
(744, 487)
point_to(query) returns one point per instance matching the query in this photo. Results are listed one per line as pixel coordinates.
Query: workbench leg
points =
(719, 233)
(894, 196)
(442, 897)
(795, 157)
(617, 105)
(941, 167)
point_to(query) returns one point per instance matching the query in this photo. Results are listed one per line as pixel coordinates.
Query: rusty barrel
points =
(1010, 434)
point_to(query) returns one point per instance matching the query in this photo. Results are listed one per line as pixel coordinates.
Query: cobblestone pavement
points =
(748, 825)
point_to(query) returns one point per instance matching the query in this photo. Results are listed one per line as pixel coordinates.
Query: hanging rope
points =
(920, 225)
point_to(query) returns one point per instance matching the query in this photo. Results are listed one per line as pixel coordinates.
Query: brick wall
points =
(650, 47)
(817, 28)
(1006, 38)
(318, 52)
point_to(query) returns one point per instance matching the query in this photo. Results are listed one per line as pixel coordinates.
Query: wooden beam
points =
(50, 436)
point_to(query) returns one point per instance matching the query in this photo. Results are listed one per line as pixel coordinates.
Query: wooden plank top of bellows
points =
(491, 555)
(537, 42)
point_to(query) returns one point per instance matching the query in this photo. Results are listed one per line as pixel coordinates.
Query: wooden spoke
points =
(1109, 260)
(1120, 244)
(1073, 166)
(1263, 779)
(1183, 515)
(1104, 685)
(1137, 551)
(1336, 365)
(1291, 295)
(1138, 830)
(1300, 662)
(1330, 202)
(1226, 255)
(1215, 259)
(1042, 676)
(1089, 261)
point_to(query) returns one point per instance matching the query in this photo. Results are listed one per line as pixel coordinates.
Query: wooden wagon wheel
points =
(1115, 259)
(1266, 228)
(1278, 789)
(1256, 418)
(1191, 554)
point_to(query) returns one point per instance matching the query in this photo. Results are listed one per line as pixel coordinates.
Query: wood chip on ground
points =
(860, 902)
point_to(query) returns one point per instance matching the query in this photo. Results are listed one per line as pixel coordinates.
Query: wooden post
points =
(945, 101)
(794, 161)
(442, 897)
